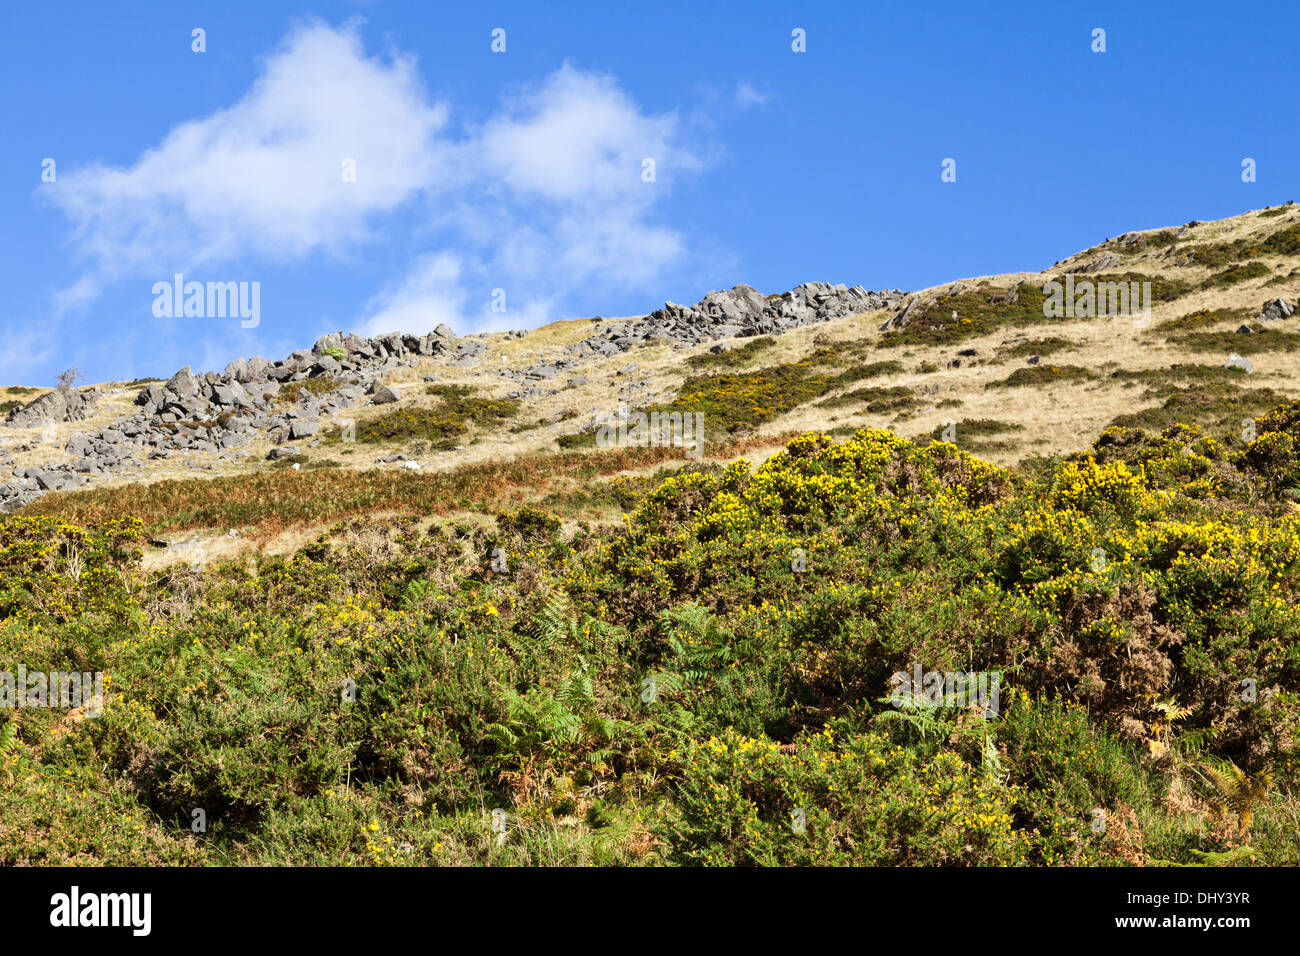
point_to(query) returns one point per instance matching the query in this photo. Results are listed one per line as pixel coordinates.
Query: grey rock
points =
(232, 394)
(64, 404)
(16, 494)
(1276, 310)
(1102, 263)
(303, 429)
(332, 341)
(78, 444)
(326, 366)
(901, 318)
(150, 395)
(254, 370)
(182, 384)
(50, 480)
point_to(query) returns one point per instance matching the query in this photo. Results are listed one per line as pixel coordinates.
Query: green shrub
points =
(292, 392)
(1035, 375)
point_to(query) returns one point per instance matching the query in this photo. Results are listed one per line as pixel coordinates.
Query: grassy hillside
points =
(534, 650)
(704, 683)
(980, 349)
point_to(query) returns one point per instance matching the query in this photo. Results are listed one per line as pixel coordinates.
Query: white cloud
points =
(430, 293)
(747, 96)
(265, 175)
(545, 199)
(551, 200)
(577, 208)
(579, 139)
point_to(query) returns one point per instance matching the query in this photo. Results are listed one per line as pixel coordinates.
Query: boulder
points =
(303, 429)
(230, 395)
(78, 444)
(15, 494)
(64, 404)
(332, 341)
(1276, 310)
(182, 384)
(326, 367)
(150, 396)
(1100, 264)
(254, 370)
(50, 479)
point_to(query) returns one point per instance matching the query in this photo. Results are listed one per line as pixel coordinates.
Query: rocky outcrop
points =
(1102, 263)
(903, 315)
(739, 311)
(216, 413)
(64, 404)
(1276, 310)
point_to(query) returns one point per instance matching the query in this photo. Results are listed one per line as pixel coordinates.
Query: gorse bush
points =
(441, 426)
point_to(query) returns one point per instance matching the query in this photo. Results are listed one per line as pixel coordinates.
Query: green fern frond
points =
(1172, 710)
(1226, 858)
(551, 622)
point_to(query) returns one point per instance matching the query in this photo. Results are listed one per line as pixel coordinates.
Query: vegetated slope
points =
(703, 685)
(977, 361)
(646, 658)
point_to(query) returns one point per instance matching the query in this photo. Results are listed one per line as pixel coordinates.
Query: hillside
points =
(1014, 383)
(400, 601)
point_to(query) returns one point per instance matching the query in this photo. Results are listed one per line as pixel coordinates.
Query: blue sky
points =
(523, 170)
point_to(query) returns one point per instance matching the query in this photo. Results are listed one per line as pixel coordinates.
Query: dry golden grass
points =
(283, 506)
(495, 466)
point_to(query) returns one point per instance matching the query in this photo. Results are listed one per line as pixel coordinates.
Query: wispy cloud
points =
(747, 96)
(27, 345)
